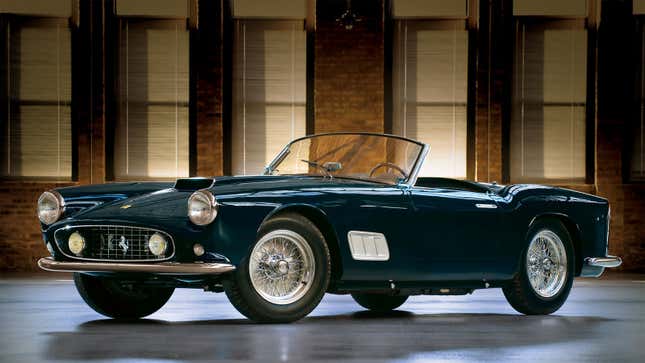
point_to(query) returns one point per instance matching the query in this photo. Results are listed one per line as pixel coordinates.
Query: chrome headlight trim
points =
(205, 215)
(54, 196)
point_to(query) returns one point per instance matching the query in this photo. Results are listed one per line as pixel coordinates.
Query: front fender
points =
(235, 230)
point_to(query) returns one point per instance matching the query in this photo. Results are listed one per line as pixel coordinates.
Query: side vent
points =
(368, 246)
(194, 183)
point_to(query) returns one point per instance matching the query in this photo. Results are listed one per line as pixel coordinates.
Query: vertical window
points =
(549, 101)
(638, 149)
(36, 98)
(151, 136)
(430, 91)
(269, 90)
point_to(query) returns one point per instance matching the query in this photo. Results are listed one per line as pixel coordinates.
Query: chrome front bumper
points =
(595, 266)
(163, 268)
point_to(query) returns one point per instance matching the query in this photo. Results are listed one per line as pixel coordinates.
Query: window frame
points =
(113, 44)
(309, 66)
(471, 75)
(590, 103)
(5, 98)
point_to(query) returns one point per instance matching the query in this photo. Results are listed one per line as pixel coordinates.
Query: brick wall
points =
(615, 82)
(493, 69)
(349, 94)
(207, 61)
(349, 69)
(21, 243)
(20, 238)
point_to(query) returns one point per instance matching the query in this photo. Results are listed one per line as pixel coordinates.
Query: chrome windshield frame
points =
(409, 182)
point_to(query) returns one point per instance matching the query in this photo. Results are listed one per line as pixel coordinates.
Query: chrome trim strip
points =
(163, 268)
(414, 173)
(608, 261)
(486, 206)
(62, 250)
(73, 203)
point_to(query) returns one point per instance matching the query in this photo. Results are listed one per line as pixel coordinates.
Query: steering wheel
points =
(388, 165)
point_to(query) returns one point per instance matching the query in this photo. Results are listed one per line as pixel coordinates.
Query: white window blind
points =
(549, 102)
(638, 149)
(151, 136)
(36, 77)
(430, 91)
(269, 90)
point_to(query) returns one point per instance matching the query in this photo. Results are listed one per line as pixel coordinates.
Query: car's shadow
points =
(361, 335)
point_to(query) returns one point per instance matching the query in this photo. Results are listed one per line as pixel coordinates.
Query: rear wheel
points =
(115, 299)
(546, 272)
(286, 273)
(379, 302)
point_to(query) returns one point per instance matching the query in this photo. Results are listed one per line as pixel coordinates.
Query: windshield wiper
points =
(326, 171)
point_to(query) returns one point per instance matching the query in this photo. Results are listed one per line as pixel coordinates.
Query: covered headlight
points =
(157, 244)
(202, 207)
(50, 207)
(76, 243)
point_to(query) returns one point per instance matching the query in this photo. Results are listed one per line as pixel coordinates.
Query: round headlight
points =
(50, 207)
(202, 207)
(76, 243)
(157, 244)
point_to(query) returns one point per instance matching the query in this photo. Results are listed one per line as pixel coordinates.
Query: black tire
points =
(379, 303)
(250, 303)
(111, 298)
(521, 294)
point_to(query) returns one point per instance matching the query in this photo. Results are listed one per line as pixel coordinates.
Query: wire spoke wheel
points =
(546, 264)
(282, 267)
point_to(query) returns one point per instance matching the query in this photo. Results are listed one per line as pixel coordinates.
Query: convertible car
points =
(341, 213)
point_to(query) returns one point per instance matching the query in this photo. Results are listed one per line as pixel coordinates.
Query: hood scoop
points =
(194, 183)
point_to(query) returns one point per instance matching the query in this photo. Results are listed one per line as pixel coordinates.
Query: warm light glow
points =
(76, 243)
(157, 244)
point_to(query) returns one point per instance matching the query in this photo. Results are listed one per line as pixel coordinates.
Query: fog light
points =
(76, 243)
(157, 244)
(198, 249)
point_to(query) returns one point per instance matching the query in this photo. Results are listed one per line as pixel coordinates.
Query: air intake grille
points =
(114, 243)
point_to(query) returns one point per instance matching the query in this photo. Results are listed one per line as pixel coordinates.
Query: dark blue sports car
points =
(340, 213)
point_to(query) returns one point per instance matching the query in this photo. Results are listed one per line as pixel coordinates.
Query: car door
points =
(378, 212)
(457, 233)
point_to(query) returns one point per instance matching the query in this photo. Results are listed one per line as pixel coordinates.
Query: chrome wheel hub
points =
(546, 264)
(282, 267)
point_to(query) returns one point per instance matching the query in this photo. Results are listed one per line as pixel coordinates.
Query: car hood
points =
(169, 204)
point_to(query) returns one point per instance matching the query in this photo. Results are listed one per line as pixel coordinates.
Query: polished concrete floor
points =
(44, 319)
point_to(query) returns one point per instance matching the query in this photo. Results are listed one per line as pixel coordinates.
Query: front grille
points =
(114, 243)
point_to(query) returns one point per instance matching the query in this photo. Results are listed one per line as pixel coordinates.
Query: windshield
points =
(380, 158)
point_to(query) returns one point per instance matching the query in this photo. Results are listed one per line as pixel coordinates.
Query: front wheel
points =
(546, 270)
(115, 299)
(286, 273)
(379, 303)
